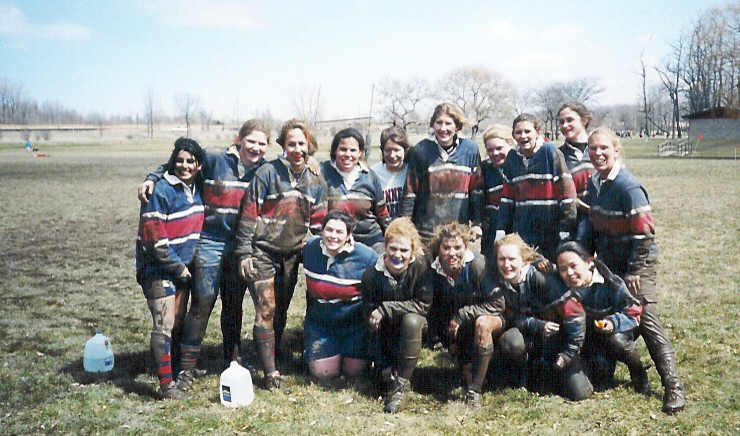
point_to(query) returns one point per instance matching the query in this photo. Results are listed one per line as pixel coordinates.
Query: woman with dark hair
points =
(285, 200)
(397, 293)
(334, 327)
(574, 118)
(443, 179)
(394, 148)
(620, 228)
(467, 310)
(545, 329)
(355, 189)
(612, 316)
(226, 177)
(169, 228)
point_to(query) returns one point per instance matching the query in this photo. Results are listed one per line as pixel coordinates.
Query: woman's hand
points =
(374, 319)
(604, 325)
(246, 269)
(550, 329)
(145, 191)
(633, 283)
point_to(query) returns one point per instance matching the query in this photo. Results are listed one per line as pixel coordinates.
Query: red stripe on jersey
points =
(642, 224)
(571, 308)
(580, 179)
(537, 190)
(222, 196)
(356, 208)
(283, 207)
(185, 226)
(493, 198)
(152, 230)
(328, 291)
(449, 182)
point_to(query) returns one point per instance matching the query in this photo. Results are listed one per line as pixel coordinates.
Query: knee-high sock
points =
(161, 347)
(481, 360)
(265, 340)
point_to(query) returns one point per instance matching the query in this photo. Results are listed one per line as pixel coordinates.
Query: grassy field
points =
(67, 233)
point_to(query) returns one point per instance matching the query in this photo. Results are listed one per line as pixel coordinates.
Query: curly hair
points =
(449, 230)
(404, 228)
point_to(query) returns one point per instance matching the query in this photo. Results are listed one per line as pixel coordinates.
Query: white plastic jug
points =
(98, 355)
(236, 386)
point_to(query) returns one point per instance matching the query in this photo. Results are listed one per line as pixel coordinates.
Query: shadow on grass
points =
(128, 366)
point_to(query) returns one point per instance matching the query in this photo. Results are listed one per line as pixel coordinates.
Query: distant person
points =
(394, 148)
(226, 179)
(355, 189)
(620, 228)
(334, 329)
(545, 327)
(499, 143)
(169, 228)
(574, 119)
(466, 314)
(397, 293)
(538, 199)
(443, 179)
(29, 146)
(286, 199)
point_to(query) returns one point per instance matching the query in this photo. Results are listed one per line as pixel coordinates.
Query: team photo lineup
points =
(533, 267)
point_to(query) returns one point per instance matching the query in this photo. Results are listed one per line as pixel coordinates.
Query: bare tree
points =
(670, 76)
(551, 96)
(187, 104)
(206, 118)
(482, 94)
(150, 112)
(400, 99)
(307, 104)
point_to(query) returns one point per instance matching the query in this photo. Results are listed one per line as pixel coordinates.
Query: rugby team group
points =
(563, 285)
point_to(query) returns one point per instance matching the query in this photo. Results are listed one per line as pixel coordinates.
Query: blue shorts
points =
(322, 341)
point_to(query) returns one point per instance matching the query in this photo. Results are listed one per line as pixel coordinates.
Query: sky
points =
(244, 57)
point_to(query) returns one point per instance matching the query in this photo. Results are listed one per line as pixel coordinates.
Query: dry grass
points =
(67, 239)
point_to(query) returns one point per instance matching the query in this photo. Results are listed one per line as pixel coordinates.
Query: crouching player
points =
(334, 328)
(169, 228)
(397, 293)
(467, 306)
(613, 316)
(547, 325)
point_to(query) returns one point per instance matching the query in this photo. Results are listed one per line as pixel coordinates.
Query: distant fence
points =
(676, 147)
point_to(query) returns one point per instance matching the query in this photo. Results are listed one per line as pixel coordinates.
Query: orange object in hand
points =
(600, 323)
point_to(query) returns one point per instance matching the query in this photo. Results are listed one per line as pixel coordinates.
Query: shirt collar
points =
(174, 181)
(576, 150)
(449, 151)
(596, 277)
(468, 257)
(348, 248)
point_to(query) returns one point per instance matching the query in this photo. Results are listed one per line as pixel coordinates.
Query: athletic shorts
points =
(157, 288)
(322, 341)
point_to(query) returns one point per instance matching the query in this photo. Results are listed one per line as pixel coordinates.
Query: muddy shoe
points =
(640, 381)
(473, 399)
(171, 392)
(273, 382)
(185, 379)
(673, 400)
(395, 399)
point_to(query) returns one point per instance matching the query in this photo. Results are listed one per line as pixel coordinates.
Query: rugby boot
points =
(473, 399)
(395, 399)
(171, 392)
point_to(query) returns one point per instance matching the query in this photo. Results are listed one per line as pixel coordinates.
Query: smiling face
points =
(444, 130)
(296, 149)
(252, 147)
(574, 271)
(186, 167)
(497, 149)
(334, 235)
(525, 135)
(572, 125)
(510, 262)
(602, 153)
(348, 154)
(393, 155)
(398, 255)
(451, 254)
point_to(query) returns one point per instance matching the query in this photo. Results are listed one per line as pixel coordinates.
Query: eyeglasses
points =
(180, 160)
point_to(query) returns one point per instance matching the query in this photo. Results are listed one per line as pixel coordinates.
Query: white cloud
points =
(224, 14)
(13, 22)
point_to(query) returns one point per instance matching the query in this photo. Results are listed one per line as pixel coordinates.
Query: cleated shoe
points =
(273, 382)
(171, 392)
(185, 379)
(673, 400)
(395, 399)
(473, 399)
